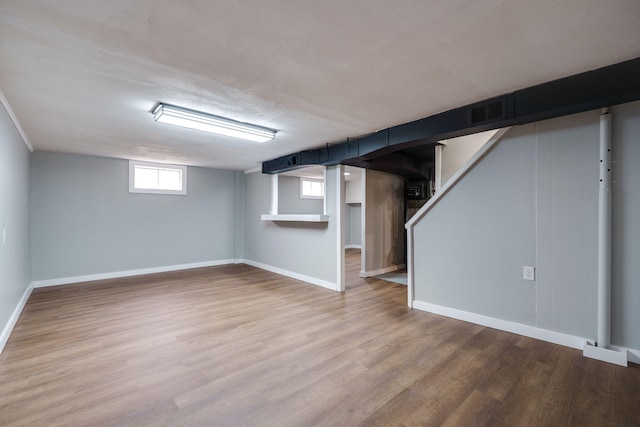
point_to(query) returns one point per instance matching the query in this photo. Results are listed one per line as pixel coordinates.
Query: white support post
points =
(324, 200)
(603, 351)
(363, 224)
(274, 194)
(339, 199)
(604, 234)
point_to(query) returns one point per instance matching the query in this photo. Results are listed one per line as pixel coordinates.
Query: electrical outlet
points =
(529, 273)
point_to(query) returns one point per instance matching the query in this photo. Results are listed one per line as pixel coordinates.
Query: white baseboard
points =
(353, 246)
(616, 354)
(8, 328)
(127, 273)
(293, 275)
(609, 355)
(382, 270)
(633, 355)
(503, 325)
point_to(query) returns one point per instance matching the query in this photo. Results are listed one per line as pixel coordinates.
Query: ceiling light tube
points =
(191, 119)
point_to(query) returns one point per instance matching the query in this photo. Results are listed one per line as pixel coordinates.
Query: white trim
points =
(633, 355)
(127, 273)
(382, 270)
(16, 123)
(353, 246)
(291, 274)
(609, 355)
(410, 269)
(503, 325)
(8, 328)
(253, 170)
(482, 152)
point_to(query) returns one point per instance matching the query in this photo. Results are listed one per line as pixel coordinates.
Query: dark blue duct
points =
(604, 87)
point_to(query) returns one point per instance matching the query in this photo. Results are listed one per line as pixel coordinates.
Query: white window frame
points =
(133, 189)
(303, 179)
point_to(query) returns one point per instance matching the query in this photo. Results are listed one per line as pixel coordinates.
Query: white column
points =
(604, 234)
(410, 270)
(274, 194)
(603, 351)
(339, 199)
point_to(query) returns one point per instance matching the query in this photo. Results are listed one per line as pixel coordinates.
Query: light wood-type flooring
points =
(235, 345)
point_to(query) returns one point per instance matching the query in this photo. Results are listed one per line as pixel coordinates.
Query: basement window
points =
(311, 188)
(157, 178)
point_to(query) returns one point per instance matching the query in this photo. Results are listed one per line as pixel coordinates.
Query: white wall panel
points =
(533, 201)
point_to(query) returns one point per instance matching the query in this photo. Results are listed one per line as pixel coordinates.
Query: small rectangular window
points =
(311, 188)
(157, 178)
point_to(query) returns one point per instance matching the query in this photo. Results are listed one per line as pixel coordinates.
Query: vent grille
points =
(489, 111)
(478, 114)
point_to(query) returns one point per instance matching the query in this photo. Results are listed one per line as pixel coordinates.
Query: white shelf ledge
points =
(296, 217)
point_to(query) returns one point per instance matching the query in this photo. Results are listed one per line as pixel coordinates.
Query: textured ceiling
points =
(82, 76)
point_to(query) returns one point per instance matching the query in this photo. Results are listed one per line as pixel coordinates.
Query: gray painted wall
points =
(84, 220)
(289, 200)
(15, 274)
(238, 216)
(384, 221)
(533, 201)
(304, 248)
(353, 210)
(625, 292)
(353, 189)
(353, 224)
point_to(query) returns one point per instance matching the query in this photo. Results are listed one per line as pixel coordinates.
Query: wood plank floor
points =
(235, 345)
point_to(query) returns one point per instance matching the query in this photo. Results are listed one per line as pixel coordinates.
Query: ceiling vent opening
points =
(488, 111)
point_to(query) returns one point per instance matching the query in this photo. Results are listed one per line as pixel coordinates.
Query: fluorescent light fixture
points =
(170, 114)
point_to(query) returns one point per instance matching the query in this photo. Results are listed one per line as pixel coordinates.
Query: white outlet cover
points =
(529, 273)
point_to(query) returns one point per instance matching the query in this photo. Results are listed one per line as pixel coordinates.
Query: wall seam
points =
(536, 190)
